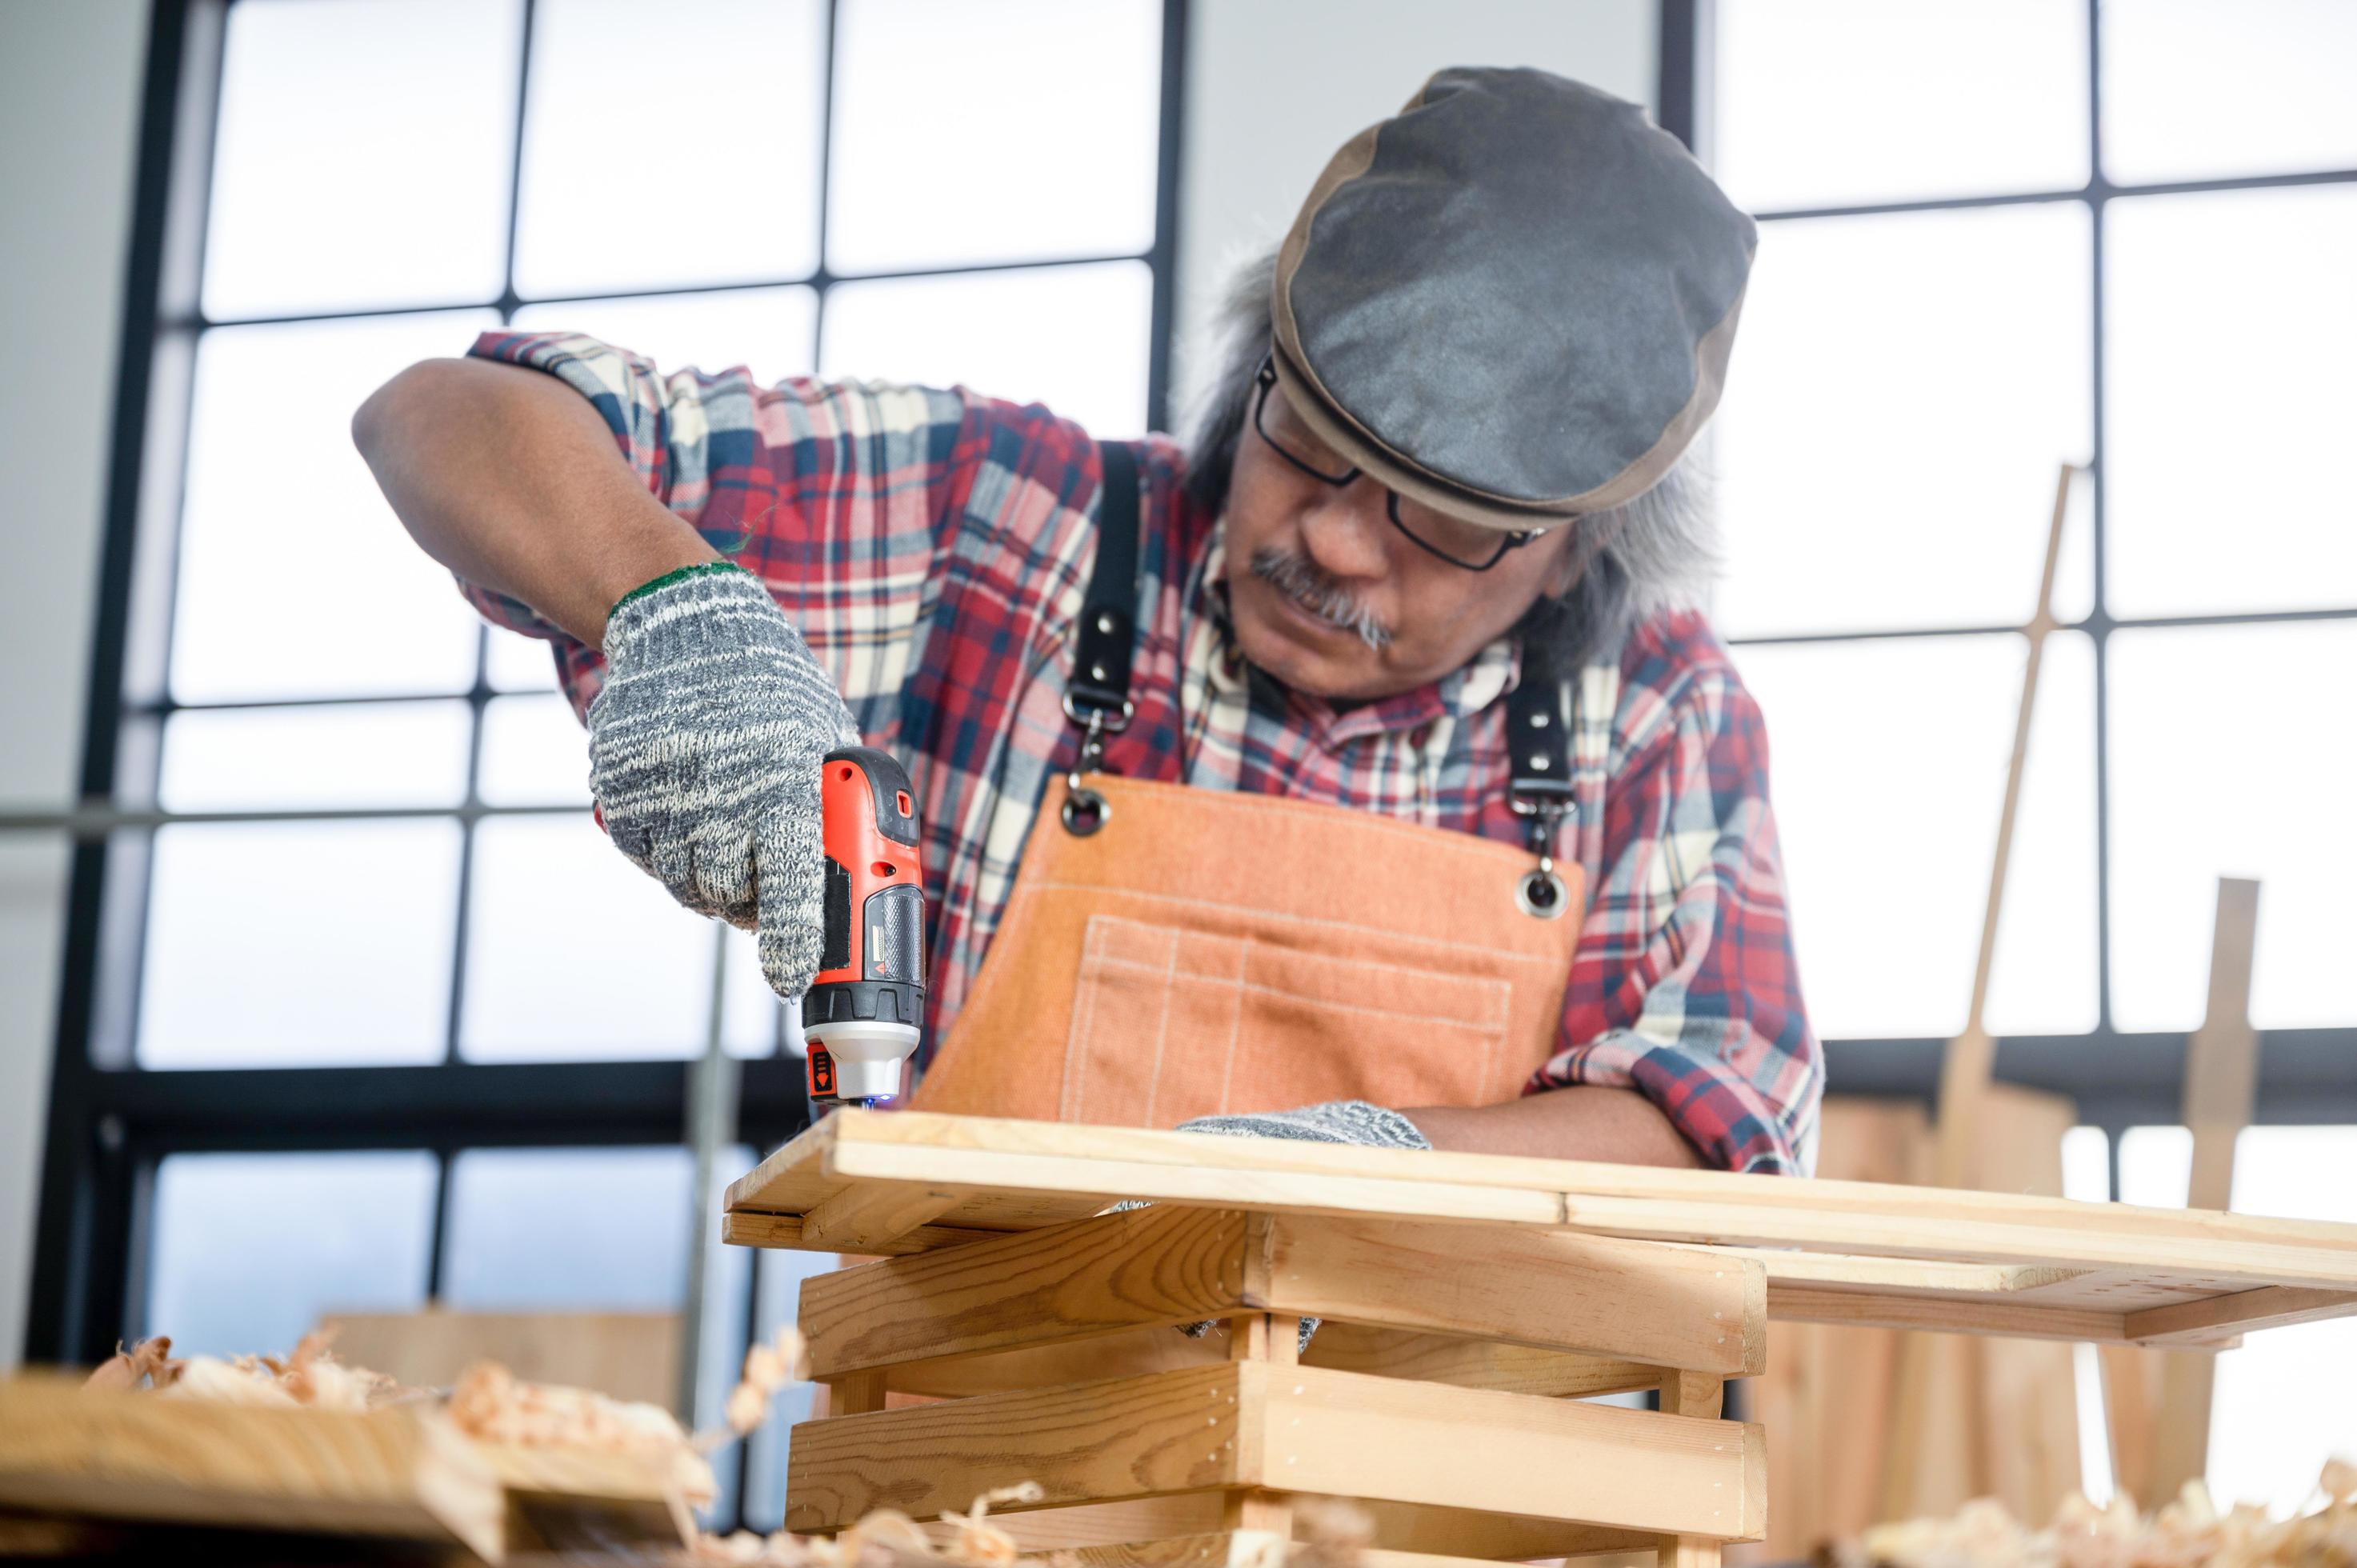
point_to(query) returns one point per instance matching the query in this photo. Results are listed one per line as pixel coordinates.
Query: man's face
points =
(1332, 600)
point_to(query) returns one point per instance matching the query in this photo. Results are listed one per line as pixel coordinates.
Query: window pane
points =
(574, 954)
(534, 753)
(1889, 772)
(514, 662)
(1906, 389)
(295, 579)
(2230, 759)
(674, 143)
(772, 331)
(2232, 325)
(1075, 339)
(373, 753)
(2273, 93)
(2155, 1166)
(362, 156)
(1844, 103)
(299, 944)
(250, 1250)
(2281, 1402)
(945, 111)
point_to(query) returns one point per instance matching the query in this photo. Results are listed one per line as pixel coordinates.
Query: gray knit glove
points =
(704, 752)
(1333, 1122)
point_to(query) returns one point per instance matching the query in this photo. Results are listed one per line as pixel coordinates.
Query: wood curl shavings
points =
(2190, 1532)
(768, 1369)
(126, 1369)
(491, 1404)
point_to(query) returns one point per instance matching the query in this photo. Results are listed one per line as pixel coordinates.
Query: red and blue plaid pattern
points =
(933, 546)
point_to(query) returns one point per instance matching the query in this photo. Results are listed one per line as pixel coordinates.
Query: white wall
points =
(69, 76)
(1274, 89)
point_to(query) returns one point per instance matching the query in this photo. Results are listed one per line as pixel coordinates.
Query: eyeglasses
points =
(1464, 544)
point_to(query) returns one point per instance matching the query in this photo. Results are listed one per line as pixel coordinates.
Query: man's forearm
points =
(1584, 1121)
(511, 478)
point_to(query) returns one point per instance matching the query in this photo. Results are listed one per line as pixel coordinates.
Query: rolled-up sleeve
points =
(1685, 987)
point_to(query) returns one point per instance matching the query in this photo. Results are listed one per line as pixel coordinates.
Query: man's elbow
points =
(385, 410)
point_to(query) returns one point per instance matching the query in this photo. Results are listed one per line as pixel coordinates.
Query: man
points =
(1252, 775)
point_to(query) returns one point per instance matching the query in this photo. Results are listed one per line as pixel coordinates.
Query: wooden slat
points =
(1149, 1267)
(1946, 1315)
(1249, 1549)
(1102, 1163)
(1901, 1276)
(2213, 1323)
(1405, 1529)
(143, 1457)
(2221, 1076)
(1666, 1306)
(873, 1218)
(1344, 1434)
(750, 1227)
(1292, 1429)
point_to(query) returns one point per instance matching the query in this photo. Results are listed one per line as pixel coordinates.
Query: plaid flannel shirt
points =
(933, 548)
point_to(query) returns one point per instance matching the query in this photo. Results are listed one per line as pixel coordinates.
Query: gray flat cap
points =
(1512, 301)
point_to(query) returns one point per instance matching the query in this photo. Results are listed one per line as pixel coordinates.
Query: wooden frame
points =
(1467, 1302)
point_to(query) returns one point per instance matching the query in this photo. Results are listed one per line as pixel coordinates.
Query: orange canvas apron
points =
(1170, 951)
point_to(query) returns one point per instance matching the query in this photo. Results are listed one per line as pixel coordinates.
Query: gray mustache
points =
(1319, 594)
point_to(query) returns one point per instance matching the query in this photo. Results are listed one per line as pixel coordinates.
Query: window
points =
(1994, 238)
(348, 957)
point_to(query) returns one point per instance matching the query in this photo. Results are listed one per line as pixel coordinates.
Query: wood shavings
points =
(490, 1404)
(126, 1369)
(2190, 1532)
(768, 1369)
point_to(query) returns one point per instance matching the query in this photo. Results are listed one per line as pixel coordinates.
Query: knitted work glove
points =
(705, 753)
(1334, 1121)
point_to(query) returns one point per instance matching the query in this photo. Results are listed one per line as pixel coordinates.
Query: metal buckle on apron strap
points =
(1084, 809)
(1539, 790)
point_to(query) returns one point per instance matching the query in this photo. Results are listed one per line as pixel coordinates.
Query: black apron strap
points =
(1538, 772)
(1108, 630)
(1097, 696)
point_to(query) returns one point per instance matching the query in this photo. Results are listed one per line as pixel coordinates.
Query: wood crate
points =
(1464, 1299)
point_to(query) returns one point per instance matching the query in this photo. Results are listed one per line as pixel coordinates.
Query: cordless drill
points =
(864, 1008)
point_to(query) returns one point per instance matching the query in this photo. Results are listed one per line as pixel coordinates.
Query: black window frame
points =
(2119, 1079)
(111, 1122)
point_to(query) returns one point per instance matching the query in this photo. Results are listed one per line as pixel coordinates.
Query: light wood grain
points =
(1344, 1434)
(1402, 1528)
(1667, 1305)
(873, 1218)
(395, 1473)
(2222, 1076)
(750, 1227)
(1149, 1267)
(630, 1356)
(2214, 1322)
(1303, 1429)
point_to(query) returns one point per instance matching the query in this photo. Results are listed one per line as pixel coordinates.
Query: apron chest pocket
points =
(1169, 1023)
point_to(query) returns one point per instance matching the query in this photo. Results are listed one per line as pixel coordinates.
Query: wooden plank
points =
(1666, 1306)
(1403, 1528)
(1250, 1549)
(1901, 1276)
(1299, 1429)
(1345, 1434)
(2214, 1322)
(1346, 1346)
(1944, 1315)
(1101, 1442)
(394, 1474)
(1099, 1163)
(871, 1219)
(1147, 1267)
(2222, 1073)
(629, 1356)
(750, 1227)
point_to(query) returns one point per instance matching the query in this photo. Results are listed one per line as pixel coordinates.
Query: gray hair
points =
(1658, 551)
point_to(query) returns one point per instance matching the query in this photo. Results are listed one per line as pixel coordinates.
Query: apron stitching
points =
(1235, 1018)
(1495, 986)
(1162, 1028)
(1315, 920)
(1331, 961)
(1076, 1056)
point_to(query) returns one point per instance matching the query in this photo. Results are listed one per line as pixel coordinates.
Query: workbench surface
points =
(899, 1182)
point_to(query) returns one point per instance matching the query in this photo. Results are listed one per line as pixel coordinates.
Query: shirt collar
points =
(1492, 672)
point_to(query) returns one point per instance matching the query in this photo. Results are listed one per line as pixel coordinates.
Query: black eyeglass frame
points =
(1266, 378)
